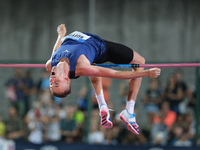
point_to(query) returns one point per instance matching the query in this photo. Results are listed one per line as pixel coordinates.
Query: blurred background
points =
(167, 108)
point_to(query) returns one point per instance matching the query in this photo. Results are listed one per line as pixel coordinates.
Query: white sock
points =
(130, 106)
(100, 99)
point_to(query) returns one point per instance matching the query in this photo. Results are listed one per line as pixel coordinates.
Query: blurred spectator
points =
(179, 81)
(60, 111)
(78, 115)
(152, 99)
(44, 81)
(28, 90)
(53, 129)
(182, 90)
(176, 92)
(95, 136)
(82, 101)
(163, 122)
(172, 94)
(180, 137)
(68, 127)
(16, 92)
(189, 125)
(45, 97)
(192, 98)
(35, 110)
(192, 93)
(2, 128)
(14, 128)
(165, 115)
(159, 134)
(36, 129)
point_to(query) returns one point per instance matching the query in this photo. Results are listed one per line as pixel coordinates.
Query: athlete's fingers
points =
(154, 72)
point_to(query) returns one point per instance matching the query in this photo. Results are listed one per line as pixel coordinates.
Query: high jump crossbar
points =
(113, 65)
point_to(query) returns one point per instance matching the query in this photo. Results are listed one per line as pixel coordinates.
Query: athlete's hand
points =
(61, 29)
(154, 72)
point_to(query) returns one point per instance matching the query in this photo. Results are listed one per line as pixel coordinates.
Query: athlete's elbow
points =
(48, 65)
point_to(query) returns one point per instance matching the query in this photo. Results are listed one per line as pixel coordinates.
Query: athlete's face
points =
(58, 80)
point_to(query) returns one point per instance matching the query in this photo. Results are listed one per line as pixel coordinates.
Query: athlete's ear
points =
(67, 80)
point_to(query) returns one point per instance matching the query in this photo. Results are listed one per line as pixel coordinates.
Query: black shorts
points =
(116, 53)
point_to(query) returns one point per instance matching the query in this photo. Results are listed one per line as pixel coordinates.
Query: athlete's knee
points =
(95, 79)
(142, 60)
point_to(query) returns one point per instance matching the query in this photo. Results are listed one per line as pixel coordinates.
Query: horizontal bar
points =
(149, 65)
(23, 65)
(113, 65)
(172, 65)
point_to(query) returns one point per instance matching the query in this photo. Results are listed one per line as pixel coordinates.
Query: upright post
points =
(88, 84)
(197, 104)
(89, 108)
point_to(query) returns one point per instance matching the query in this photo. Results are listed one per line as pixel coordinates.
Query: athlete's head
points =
(59, 82)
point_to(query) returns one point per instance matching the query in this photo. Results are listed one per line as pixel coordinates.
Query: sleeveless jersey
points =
(76, 44)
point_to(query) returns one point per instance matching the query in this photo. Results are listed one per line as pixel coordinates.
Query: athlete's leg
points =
(134, 84)
(128, 115)
(121, 54)
(104, 111)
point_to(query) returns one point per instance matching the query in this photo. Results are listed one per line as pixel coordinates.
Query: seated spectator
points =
(14, 128)
(2, 128)
(165, 115)
(68, 127)
(152, 99)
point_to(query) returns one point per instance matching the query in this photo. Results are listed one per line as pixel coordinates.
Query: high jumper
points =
(74, 55)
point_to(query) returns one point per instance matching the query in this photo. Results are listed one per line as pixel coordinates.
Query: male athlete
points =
(73, 56)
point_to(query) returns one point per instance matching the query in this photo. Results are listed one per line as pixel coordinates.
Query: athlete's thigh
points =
(118, 53)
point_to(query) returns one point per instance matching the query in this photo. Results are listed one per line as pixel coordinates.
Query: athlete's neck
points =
(65, 65)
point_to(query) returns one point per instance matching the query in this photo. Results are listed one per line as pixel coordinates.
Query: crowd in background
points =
(169, 109)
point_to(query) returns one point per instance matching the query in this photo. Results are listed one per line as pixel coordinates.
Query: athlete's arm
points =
(61, 29)
(89, 70)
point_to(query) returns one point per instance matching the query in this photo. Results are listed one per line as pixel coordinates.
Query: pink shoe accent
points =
(106, 123)
(129, 126)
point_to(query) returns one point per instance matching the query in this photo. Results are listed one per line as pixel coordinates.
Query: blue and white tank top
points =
(76, 44)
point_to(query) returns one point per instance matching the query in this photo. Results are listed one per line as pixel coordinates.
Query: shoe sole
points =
(129, 126)
(104, 122)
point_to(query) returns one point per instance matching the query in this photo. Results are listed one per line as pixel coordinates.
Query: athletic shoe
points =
(105, 117)
(129, 120)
